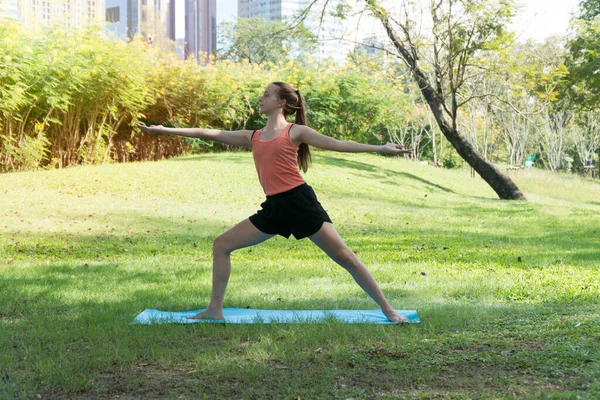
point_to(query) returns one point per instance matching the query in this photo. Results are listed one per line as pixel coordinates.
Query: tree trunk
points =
(501, 183)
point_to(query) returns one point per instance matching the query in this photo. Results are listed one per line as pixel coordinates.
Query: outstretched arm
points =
(311, 137)
(233, 138)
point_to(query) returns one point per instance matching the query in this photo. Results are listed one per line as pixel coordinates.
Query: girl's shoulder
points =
(255, 133)
(297, 132)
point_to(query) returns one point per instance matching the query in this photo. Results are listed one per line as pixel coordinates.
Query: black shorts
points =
(296, 212)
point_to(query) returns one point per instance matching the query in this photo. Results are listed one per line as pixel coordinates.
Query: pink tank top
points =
(276, 162)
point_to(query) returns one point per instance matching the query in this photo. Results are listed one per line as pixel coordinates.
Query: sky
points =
(536, 20)
(226, 10)
(539, 19)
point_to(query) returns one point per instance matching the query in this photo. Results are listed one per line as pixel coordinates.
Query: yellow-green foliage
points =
(73, 88)
(70, 97)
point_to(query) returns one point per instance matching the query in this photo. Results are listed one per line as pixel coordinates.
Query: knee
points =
(346, 258)
(220, 246)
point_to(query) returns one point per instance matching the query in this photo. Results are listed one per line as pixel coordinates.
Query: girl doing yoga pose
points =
(291, 206)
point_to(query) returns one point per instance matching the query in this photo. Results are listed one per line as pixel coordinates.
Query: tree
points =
(589, 9)
(461, 30)
(478, 121)
(587, 136)
(506, 113)
(583, 85)
(535, 79)
(257, 40)
(554, 134)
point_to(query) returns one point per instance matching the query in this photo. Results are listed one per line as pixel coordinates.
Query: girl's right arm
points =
(233, 138)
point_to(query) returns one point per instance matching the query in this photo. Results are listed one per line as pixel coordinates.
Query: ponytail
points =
(294, 104)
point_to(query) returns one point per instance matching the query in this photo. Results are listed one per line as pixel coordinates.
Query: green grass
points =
(507, 292)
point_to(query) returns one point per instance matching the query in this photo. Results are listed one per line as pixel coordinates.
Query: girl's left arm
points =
(313, 138)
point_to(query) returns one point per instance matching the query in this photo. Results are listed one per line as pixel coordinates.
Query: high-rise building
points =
(119, 18)
(269, 10)
(148, 18)
(176, 26)
(191, 24)
(201, 28)
(327, 28)
(70, 13)
(9, 9)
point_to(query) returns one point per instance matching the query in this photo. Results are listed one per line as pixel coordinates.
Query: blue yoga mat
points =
(251, 316)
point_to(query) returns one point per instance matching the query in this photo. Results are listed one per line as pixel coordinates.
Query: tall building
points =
(329, 30)
(119, 14)
(70, 13)
(191, 24)
(201, 28)
(269, 10)
(149, 18)
(176, 26)
(9, 9)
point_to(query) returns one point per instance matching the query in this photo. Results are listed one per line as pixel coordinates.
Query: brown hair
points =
(294, 104)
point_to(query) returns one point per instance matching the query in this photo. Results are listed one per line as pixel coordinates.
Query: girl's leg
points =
(328, 239)
(242, 235)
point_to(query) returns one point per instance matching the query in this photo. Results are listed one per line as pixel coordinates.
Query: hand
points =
(152, 129)
(392, 148)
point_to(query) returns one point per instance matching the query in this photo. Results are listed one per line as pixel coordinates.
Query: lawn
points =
(507, 292)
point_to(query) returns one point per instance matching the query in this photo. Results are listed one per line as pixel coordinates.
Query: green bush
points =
(72, 97)
(75, 88)
(451, 160)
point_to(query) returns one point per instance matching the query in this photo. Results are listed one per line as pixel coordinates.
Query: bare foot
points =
(216, 315)
(394, 316)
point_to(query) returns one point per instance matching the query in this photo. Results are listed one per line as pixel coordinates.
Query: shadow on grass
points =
(86, 349)
(241, 155)
(377, 172)
(516, 250)
(64, 326)
(563, 246)
(492, 208)
(68, 326)
(152, 236)
(372, 170)
(574, 241)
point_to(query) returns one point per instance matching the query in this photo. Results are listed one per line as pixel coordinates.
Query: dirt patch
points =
(379, 372)
(142, 381)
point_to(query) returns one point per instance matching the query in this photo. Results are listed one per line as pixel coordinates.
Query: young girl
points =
(291, 206)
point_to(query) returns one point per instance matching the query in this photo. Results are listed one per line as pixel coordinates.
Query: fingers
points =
(151, 130)
(399, 148)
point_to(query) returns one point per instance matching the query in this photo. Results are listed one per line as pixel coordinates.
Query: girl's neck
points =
(276, 122)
